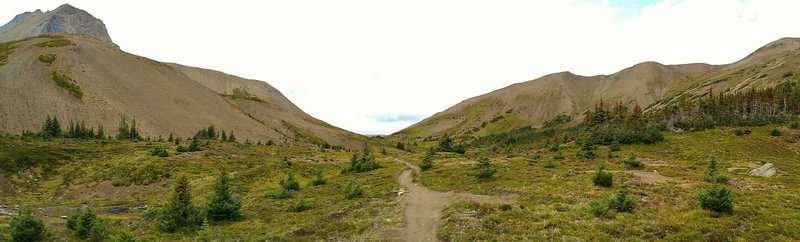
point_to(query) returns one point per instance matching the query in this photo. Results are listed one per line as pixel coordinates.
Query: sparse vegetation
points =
(633, 162)
(55, 41)
(713, 174)
(485, 169)
(47, 58)
(446, 144)
(290, 184)
(550, 164)
(241, 93)
(301, 206)
(64, 81)
(362, 163)
(352, 191)
(319, 179)
(601, 210)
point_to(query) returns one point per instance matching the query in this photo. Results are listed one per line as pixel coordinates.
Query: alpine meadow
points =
(99, 144)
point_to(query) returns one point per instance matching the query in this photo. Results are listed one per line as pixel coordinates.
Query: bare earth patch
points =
(105, 189)
(423, 206)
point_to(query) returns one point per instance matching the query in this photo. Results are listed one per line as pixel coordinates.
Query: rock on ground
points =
(767, 170)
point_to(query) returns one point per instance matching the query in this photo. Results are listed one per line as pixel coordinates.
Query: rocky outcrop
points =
(65, 19)
(767, 170)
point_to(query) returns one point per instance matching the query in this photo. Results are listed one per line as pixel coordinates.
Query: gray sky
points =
(375, 67)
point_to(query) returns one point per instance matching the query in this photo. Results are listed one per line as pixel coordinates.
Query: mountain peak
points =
(65, 6)
(66, 19)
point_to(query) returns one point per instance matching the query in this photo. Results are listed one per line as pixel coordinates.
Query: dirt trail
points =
(423, 206)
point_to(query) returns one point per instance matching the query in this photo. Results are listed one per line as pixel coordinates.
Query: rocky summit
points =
(65, 19)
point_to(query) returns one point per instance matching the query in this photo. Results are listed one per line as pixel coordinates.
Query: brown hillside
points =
(163, 98)
(648, 84)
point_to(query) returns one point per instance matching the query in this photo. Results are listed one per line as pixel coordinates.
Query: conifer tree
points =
(231, 138)
(179, 210)
(134, 134)
(51, 128)
(223, 206)
(224, 136)
(100, 133)
(124, 131)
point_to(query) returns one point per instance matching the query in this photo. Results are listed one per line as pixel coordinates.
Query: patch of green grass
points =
(241, 93)
(47, 58)
(46, 174)
(55, 41)
(555, 203)
(64, 81)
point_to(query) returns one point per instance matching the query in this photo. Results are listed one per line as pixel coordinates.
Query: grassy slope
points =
(254, 169)
(554, 202)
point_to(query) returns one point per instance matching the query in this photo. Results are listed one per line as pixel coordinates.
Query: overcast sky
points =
(375, 67)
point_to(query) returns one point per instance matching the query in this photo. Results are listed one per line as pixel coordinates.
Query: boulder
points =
(767, 170)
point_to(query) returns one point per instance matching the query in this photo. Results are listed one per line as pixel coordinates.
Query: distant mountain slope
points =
(647, 84)
(65, 19)
(90, 80)
(164, 98)
(267, 105)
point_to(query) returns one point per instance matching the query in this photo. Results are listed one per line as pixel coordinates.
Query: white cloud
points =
(350, 61)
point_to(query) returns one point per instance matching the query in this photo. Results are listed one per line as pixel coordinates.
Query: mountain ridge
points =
(649, 84)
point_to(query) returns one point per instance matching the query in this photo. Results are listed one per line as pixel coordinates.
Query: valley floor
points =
(524, 201)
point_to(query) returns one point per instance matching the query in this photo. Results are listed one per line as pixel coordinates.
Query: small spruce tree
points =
(621, 202)
(717, 199)
(602, 177)
(26, 227)
(179, 211)
(223, 206)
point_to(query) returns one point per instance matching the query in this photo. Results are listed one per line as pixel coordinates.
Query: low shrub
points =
(290, 184)
(614, 146)
(279, 194)
(86, 225)
(603, 178)
(633, 162)
(550, 164)
(713, 174)
(159, 151)
(621, 202)
(26, 227)
(353, 191)
(485, 173)
(717, 199)
(301, 206)
(427, 162)
(319, 179)
(600, 211)
(124, 236)
(47, 58)
(775, 132)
